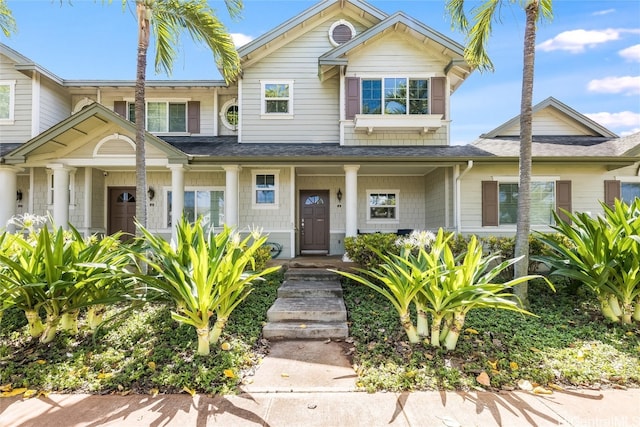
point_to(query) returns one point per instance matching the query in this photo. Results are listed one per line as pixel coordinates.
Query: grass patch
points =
(568, 344)
(142, 351)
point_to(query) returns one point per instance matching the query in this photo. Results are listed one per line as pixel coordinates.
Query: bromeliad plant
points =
(441, 284)
(603, 254)
(204, 274)
(59, 272)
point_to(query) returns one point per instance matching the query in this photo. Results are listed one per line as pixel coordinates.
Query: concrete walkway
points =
(310, 383)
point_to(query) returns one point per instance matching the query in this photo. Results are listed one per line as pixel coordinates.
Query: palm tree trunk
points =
(523, 224)
(144, 27)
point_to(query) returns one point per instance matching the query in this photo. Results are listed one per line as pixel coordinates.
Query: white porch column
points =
(88, 198)
(8, 190)
(351, 199)
(61, 182)
(177, 197)
(231, 207)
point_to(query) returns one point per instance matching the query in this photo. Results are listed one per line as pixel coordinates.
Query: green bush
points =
(359, 248)
(261, 257)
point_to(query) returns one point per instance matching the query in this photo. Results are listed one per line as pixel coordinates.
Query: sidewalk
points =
(306, 383)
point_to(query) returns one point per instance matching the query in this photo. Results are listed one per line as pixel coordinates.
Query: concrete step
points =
(308, 309)
(310, 274)
(309, 330)
(309, 289)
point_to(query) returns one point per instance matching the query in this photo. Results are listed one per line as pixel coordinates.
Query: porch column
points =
(231, 195)
(351, 199)
(8, 192)
(61, 182)
(88, 198)
(177, 197)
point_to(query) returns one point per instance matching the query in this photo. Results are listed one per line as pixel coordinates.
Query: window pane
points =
(395, 96)
(157, 116)
(277, 106)
(371, 96)
(232, 115)
(542, 202)
(5, 101)
(629, 191)
(132, 112)
(382, 206)
(508, 203)
(418, 97)
(189, 206)
(274, 90)
(169, 209)
(265, 196)
(178, 117)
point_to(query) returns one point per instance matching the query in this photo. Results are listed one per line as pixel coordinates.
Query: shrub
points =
(359, 248)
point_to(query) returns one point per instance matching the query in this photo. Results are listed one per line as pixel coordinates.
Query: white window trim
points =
(223, 114)
(276, 188)
(167, 189)
(263, 100)
(395, 220)
(629, 179)
(12, 101)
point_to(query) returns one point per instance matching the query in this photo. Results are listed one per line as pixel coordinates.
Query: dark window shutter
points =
(490, 203)
(438, 95)
(563, 199)
(193, 114)
(611, 191)
(120, 107)
(353, 97)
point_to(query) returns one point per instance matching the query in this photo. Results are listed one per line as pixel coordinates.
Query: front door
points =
(314, 221)
(122, 210)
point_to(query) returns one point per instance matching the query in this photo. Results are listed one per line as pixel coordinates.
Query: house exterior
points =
(339, 125)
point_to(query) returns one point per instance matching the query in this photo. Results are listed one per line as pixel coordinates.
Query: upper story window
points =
(265, 189)
(341, 32)
(398, 95)
(229, 114)
(163, 116)
(7, 101)
(277, 99)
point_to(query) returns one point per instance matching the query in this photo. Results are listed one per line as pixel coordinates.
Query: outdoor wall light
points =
(151, 193)
(339, 195)
(19, 195)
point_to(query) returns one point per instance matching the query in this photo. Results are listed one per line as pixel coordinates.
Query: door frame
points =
(326, 194)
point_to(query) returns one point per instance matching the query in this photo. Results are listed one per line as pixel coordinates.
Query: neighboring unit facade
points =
(339, 125)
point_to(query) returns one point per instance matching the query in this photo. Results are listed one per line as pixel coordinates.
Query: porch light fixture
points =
(19, 195)
(339, 195)
(151, 193)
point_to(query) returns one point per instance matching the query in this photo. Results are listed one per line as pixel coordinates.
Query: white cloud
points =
(627, 85)
(240, 39)
(575, 41)
(631, 53)
(603, 12)
(630, 131)
(621, 119)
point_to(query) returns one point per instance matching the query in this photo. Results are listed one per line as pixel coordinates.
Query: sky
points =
(587, 56)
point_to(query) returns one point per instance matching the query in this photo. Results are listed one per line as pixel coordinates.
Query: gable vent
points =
(341, 32)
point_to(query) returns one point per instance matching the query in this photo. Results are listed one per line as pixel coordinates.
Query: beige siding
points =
(549, 122)
(352, 137)
(270, 219)
(411, 202)
(20, 130)
(587, 183)
(437, 208)
(55, 104)
(396, 55)
(315, 103)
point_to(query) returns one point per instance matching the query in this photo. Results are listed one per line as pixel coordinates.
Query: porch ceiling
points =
(367, 169)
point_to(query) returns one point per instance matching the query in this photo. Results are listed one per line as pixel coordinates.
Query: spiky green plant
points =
(204, 274)
(603, 255)
(441, 284)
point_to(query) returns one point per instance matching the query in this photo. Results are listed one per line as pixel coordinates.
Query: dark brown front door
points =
(314, 221)
(122, 210)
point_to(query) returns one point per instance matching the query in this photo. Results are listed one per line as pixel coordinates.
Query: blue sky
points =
(587, 57)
